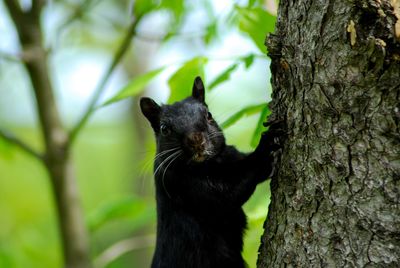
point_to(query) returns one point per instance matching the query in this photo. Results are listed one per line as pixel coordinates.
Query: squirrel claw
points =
(271, 139)
(274, 123)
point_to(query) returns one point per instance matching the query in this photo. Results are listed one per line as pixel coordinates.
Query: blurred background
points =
(174, 41)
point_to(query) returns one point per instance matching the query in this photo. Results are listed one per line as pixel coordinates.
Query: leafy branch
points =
(120, 52)
(10, 137)
(10, 57)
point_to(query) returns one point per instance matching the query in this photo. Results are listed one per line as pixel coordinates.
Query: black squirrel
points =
(201, 185)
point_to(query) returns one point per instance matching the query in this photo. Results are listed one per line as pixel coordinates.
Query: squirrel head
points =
(186, 125)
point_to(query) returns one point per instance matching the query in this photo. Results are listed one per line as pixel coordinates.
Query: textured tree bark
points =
(56, 157)
(336, 83)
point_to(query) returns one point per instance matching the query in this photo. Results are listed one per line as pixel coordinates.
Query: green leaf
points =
(260, 128)
(225, 75)
(253, 3)
(250, 110)
(132, 208)
(135, 86)
(141, 7)
(177, 7)
(256, 22)
(211, 32)
(181, 82)
(6, 149)
(248, 60)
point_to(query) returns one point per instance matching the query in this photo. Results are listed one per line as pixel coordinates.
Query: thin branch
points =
(122, 247)
(10, 57)
(20, 144)
(103, 82)
(78, 13)
(160, 38)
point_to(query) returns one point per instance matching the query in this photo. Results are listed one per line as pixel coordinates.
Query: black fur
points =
(201, 185)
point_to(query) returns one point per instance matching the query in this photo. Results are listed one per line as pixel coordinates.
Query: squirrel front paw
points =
(272, 139)
(271, 144)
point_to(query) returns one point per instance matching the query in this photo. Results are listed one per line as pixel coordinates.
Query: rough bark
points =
(336, 82)
(56, 157)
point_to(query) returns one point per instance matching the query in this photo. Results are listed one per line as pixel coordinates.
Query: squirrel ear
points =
(151, 110)
(198, 89)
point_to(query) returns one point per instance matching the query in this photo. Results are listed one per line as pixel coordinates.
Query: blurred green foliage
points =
(179, 85)
(135, 86)
(256, 22)
(113, 160)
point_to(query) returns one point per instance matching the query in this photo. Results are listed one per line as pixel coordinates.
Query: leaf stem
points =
(123, 47)
(10, 137)
(10, 57)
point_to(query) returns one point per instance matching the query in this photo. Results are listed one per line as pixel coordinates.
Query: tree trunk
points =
(73, 232)
(336, 82)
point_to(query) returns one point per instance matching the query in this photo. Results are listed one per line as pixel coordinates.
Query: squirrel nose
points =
(195, 140)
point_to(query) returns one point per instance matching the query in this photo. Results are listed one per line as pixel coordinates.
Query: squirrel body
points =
(201, 185)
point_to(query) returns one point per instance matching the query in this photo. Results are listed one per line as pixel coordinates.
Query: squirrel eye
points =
(165, 130)
(209, 116)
